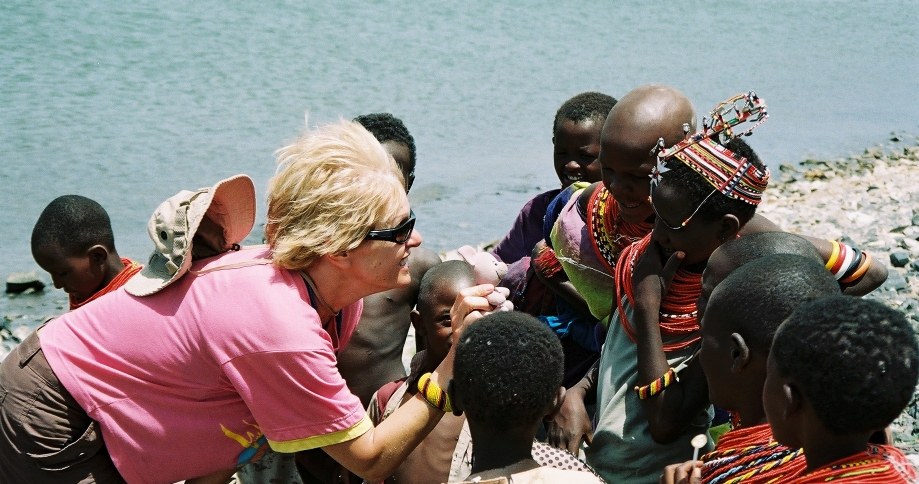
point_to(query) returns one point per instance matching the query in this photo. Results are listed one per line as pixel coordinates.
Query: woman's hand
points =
(474, 302)
(689, 472)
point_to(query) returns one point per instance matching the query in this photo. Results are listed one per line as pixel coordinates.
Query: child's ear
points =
(740, 352)
(792, 398)
(97, 254)
(415, 318)
(730, 226)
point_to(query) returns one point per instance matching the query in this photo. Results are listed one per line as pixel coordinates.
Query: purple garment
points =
(527, 230)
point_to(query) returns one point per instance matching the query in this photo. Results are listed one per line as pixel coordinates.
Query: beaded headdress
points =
(729, 173)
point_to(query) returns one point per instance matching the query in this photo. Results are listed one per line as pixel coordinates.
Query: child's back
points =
(507, 377)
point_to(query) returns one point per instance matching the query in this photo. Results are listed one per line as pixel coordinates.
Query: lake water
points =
(128, 102)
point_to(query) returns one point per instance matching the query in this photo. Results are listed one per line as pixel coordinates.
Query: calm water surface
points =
(129, 103)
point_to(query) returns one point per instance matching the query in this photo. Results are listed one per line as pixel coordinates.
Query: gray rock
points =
(911, 232)
(899, 258)
(914, 265)
(895, 281)
(18, 282)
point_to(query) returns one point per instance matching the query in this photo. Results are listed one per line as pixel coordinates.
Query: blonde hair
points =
(332, 185)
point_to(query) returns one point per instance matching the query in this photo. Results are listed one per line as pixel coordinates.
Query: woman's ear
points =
(339, 259)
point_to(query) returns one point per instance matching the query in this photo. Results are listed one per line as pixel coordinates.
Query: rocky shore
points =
(870, 200)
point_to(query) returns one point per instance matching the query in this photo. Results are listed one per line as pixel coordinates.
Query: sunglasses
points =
(398, 235)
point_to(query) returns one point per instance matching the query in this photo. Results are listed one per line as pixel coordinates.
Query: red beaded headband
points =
(730, 174)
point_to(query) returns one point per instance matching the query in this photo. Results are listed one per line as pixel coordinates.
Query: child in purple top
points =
(576, 140)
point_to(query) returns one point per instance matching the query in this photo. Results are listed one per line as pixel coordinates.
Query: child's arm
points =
(671, 410)
(551, 274)
(570, 425)
(871, 280)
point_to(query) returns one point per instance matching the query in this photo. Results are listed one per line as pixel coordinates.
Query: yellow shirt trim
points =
(316, 441)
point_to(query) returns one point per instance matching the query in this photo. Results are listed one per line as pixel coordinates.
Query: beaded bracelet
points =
(433, 394)
(547, 263)
(656, 386)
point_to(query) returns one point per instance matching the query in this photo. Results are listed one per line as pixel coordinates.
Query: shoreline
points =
(866, 199)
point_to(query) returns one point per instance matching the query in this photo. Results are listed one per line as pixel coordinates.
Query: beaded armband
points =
(547, 263)
(433, 394)
(656, 386)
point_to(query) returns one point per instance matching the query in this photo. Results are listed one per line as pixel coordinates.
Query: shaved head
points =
(650, 112)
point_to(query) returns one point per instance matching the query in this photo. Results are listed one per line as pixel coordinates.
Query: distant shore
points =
(870, 199)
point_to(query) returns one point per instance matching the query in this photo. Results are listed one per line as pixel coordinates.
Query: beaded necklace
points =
(678, 314)
(130, 268)
(879, 463)
(609, 233)
(750, 455)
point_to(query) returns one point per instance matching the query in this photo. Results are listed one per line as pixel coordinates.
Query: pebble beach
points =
(869, 199)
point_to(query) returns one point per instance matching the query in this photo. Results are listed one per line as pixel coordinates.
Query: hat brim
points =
(230, 204)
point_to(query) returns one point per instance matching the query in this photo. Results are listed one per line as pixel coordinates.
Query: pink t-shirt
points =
(197, 377)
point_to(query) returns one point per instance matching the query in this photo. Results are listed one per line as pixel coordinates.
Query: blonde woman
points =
(191, 376)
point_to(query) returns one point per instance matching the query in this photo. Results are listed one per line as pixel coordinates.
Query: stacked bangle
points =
(656, 386)
(848, 264)
(433, 394)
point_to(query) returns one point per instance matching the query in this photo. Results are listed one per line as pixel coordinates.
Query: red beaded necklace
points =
(609, 234)
(878, 463)
(678, 314)
(751, 455)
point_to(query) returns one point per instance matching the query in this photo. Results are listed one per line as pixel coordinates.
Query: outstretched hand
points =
(474, 302)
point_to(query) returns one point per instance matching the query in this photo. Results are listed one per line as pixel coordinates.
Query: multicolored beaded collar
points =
(727, 172)
(609, 234)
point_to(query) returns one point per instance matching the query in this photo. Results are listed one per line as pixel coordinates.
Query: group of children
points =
(654, 304)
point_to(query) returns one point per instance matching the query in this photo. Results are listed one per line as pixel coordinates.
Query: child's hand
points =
(651, 278)
(569, 425)
(689, 472)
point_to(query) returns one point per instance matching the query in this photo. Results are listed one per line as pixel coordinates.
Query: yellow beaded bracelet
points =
(656, 386)
(433, 394)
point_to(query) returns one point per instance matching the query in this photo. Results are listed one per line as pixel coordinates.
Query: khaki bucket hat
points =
(192, 225)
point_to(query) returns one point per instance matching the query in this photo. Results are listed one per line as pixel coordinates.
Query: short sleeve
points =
(298, 398)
